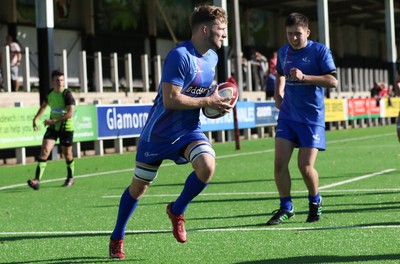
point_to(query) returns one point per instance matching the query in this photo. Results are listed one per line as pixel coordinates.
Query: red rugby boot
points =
(178, 226)
(117, 249)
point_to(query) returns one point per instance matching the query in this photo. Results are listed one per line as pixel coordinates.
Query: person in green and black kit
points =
(59, 125)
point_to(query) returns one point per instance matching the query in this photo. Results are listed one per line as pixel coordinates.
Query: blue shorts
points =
(302, 135)
(154, 153)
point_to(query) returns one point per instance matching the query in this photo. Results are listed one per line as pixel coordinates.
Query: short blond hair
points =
(207, 14)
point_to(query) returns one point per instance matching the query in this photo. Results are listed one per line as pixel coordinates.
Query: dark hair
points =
(297, 19)
(56, 73)
(206, 14)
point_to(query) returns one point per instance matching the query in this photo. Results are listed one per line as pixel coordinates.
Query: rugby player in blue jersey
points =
(172, 130)
(304, 68)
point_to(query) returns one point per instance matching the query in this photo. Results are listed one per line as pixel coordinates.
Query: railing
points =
(353, 82)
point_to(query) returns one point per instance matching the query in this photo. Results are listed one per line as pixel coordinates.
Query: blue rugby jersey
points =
(302, 102)
(184, 67)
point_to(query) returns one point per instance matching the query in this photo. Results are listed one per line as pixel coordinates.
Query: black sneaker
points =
(68, 182)
(280, 216)
(315, 211)
(34, 184)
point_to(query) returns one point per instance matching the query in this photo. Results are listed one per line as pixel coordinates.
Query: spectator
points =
(270, 85)
(270, 78)
(261, 63)
(272, 62)
(396, 90)
(15, 61)
(375, 90)
(384, 92)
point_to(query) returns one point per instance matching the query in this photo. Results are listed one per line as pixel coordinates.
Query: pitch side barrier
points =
(97, 123)
(352, 81)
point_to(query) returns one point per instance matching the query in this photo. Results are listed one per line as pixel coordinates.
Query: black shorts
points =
(66, 137)
(270, 94)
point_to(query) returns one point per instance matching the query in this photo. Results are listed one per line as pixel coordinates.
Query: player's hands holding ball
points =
(220, 103)
(222, 100)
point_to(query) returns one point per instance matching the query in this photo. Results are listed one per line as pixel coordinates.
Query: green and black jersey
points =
(58, 102)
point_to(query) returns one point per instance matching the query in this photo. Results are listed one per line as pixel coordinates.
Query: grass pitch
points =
(359, 180)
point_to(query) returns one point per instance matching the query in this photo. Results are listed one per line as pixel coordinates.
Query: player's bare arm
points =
(38, 114)
(279, 90)
(174, 99)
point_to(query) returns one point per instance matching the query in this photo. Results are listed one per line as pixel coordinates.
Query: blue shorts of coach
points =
(302, 135)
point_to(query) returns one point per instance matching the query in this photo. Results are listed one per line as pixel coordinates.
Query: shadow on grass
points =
(225, 217)
(19, 189)
(203, 199)
(76, 235)
(198, 201)
(358, 209)
(325, 259)
(21, 237)
(49, 236)
(156, 185)
(365, 204)
(72, 260)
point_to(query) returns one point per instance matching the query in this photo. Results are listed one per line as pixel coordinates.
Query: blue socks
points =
(193, 187)
(314, 199)
(286, 203)
(127, 205)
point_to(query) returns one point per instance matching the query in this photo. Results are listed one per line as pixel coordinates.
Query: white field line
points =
(228, 229)
(356, 179)
(170, 164)
(131, 169)
(361, 138)
(259, 193)
(63, 179)
(219, 194)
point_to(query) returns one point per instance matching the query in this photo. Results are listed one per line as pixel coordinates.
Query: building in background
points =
(357, 29)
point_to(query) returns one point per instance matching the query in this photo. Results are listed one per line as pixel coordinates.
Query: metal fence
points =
(353, 82)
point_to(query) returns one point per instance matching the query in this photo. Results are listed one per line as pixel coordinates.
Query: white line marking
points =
(219, 194)
(295, 228)
(228, 229)
(131, 169)
(245, 154)
(360, 138)
(356, 179)
(259, 193)
(170, 164)
(63, 179)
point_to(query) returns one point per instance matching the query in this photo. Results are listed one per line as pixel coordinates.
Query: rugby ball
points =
(225, 89)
